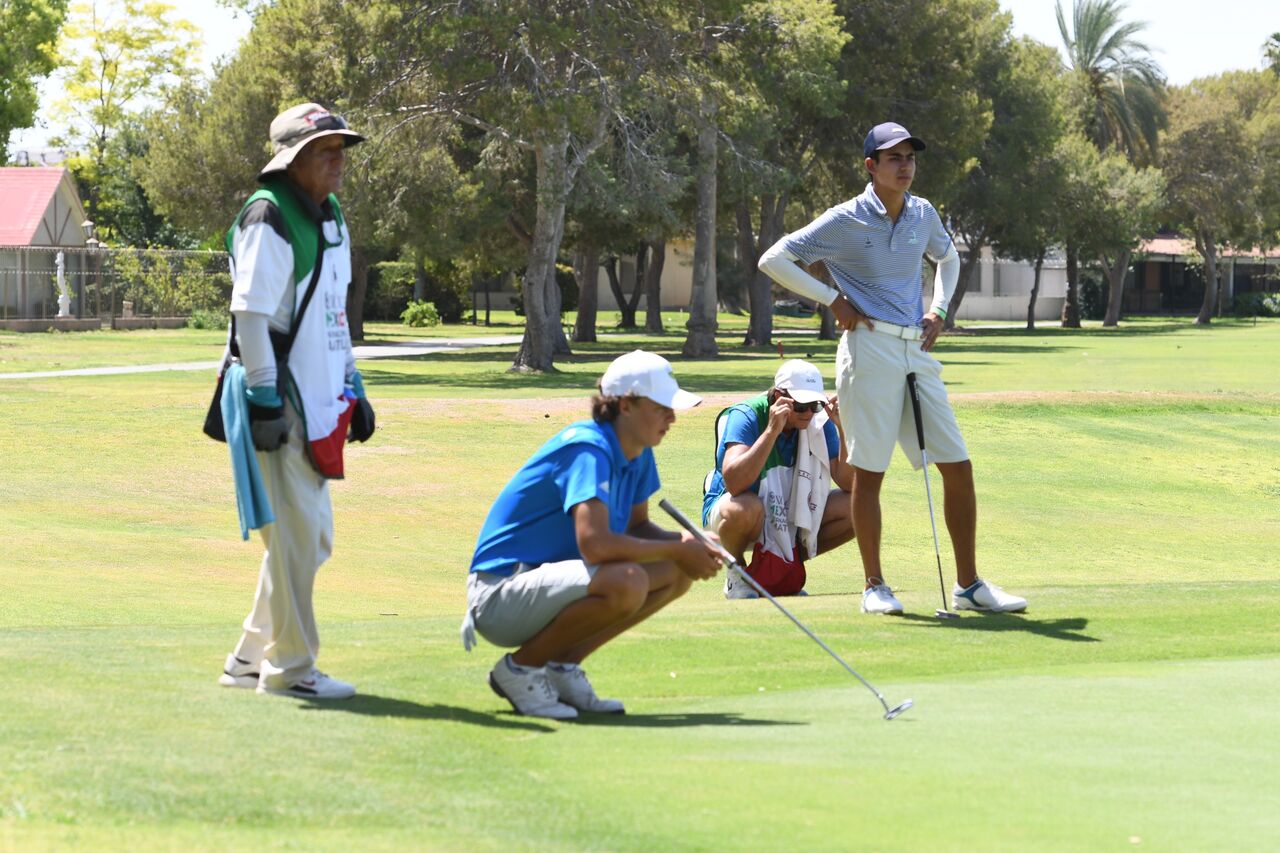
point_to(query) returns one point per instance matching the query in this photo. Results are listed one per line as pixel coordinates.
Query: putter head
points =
(945, 614)
(898, 709)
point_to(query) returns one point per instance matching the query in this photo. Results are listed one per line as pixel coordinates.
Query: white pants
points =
(280, 631)
(875, 408)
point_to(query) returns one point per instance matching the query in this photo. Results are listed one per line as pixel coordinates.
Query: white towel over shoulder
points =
(811, 484)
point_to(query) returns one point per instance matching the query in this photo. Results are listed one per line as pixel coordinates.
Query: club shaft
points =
(733, 566)
(928, 490)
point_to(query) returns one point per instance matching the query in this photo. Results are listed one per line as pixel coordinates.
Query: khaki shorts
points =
(875, 408)
(509, 610)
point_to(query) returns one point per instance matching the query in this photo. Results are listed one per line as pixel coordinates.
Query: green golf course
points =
(1128, 487)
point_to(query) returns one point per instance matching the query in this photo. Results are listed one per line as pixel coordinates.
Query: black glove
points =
(268, 427)
(362, 425)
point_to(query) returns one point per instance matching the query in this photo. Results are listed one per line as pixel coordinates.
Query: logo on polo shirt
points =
(604, 486)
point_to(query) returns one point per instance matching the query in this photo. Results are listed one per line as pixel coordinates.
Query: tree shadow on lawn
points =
(384, 706)
(1054, 629)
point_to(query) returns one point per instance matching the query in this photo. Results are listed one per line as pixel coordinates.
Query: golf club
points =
(942, 612)
(732, 565)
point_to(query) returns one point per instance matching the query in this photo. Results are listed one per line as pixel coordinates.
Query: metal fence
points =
(42, 282)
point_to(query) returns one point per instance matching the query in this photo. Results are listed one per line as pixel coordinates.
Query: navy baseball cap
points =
(887, 135)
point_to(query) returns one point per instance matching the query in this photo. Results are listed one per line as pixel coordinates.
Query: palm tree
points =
(1123, 86)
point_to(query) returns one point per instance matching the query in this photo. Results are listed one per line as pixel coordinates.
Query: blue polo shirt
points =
(875, 262)
(741, 427)
(530, 522)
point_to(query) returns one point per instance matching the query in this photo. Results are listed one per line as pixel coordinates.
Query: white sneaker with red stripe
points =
(316, 685)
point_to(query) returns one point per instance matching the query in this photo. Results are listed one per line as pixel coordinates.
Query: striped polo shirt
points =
(875, 262)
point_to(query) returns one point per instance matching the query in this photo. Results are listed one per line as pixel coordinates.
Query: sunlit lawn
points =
(1128, 486)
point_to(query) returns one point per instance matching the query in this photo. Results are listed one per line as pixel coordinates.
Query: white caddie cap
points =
(646, 374)
(801, 380)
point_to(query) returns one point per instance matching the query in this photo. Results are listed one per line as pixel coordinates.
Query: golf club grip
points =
(915, 407)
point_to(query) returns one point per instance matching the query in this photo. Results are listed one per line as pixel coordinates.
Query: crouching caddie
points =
(568, 557)
(777, 458)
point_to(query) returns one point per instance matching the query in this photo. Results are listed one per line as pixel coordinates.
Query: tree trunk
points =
(356, 292)
(653, 287)
(1116, 273)
(556, 302)
(541, 308)
(827, 329)
(628, 313)
(1071, 306)
(966, 274)
(701, 339)
(586, 271)
(1035, 291)
(419, 278)
(1209, 252)
(637, 284)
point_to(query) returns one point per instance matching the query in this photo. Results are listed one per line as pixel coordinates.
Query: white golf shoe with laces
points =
(736, 588)
(571, 683)
(528, 690)
(317, 685)
(987, 597)
(880, 599)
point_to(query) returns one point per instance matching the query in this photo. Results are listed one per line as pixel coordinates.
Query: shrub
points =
(1093, 295)
(1256, 305)
(208, 318)
(420, 315)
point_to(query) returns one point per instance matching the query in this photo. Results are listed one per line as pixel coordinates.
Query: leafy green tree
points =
(1021, 83)
(1215, 177)
(547, 78)
(1120, 86)
(30, 29)
(1271, 49)
(116, 55)
(776, 122)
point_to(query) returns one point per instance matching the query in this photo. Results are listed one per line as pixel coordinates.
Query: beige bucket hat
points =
(296, 126)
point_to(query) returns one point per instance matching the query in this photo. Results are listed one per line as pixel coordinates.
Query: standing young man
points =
(568, 558)
(780, 486)
(872, 246)
(303, 394)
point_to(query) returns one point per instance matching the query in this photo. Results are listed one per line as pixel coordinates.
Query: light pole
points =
(91, 243)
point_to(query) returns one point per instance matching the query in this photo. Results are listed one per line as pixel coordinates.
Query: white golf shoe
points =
(316, 685)
(528, 690)
(736, 588)
(571, 683)
(237, 672)
(982, 595)
(880, 599)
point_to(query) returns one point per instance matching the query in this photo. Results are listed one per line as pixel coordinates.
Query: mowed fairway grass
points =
(1128, 486)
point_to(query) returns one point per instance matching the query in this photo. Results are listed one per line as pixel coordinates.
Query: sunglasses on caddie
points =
(814, 407)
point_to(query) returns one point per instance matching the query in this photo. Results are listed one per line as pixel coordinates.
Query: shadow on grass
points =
(1054, 629)
(385, 706)
(676, 721)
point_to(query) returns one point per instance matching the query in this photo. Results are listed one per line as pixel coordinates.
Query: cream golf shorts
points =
(875, 408)
(510, 609)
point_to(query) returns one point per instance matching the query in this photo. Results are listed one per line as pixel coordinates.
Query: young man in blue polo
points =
(568, 557)
(872, 247)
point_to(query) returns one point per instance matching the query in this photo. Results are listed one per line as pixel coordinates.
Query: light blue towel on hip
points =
(252, 501)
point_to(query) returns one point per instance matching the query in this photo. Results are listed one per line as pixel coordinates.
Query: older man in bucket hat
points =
(291, 265)
(872, 247)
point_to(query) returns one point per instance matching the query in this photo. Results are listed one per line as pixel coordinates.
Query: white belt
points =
(907, 333)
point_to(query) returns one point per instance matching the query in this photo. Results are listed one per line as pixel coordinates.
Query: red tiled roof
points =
(1182, 246)
(25, 194)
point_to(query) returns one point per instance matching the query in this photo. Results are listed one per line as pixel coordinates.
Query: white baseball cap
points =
(646, 374)
(801, 380)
